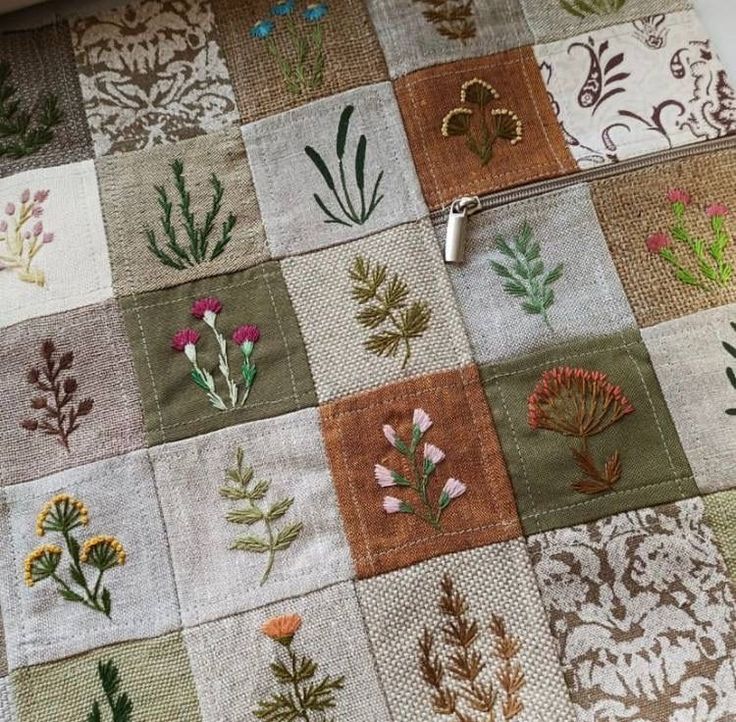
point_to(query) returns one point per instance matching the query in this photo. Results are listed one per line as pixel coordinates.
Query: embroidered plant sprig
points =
(483, 126)
(22, 236)
(385, 306)
(457, 672)
(61, 413)
(62, 515)
(119, 703)
(730, 373)
(580, 403)
(712, 270)
(584, 8)
(245, 337)
(197, 250)
(524, 276)
(417, 475)
(302, 66)
(239, 488)
(452, 19)
(23, 132)
(304, 698)
(351, 212)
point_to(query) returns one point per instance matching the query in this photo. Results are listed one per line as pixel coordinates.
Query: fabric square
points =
(151, 72)
(698, 390)
(720, 515)
(481, 125)
(53, 254)
(38, 71)
(309, 196)
(78, 364)
(415, 620)
(650, 219)
(418, 471)
(372, 324)
(637, 88)
(251, 516)
(216, 352)
(560, 19)
(445, 30)
(282, 53)
(180, 212)
(325, 628)
(643, 614)
(574, 422)
(97, 528)
(6, 700)
(154, 676)
(525, 285)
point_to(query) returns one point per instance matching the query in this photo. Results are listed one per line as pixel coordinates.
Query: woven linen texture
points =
(720, 515)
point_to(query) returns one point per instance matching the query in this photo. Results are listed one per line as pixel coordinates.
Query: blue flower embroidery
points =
(283, 7)
(314, 12)
(262, 29)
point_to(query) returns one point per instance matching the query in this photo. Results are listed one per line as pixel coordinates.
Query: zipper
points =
(456, 216)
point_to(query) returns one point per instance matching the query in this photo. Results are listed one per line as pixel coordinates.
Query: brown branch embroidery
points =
(61, 414)
(453, 19)
(457, 672)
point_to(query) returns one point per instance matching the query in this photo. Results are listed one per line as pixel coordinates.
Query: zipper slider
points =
(457, 221)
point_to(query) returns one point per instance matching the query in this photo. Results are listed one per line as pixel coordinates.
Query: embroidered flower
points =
(283, 7)
(40, 196)
(657, 241)
(314, 12)
(383, 476)
(62, 514)
(103, 552)
(677, 195)
(41, 563)
(392, 505)
(477, 91)
(716, 210)
(10, 209)
(262, 29)
(421, 420)
(47, 238)
(452, 489)
(432, 454)
(282, 629)
(206, 309)
(25, 195)
(186, 341)
(390, 433)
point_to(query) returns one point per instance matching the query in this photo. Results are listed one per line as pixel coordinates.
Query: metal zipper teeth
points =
(493, 200)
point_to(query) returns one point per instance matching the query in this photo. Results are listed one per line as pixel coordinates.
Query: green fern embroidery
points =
(239, 489)
(584, 8)
(121, 706)
(524, 276)
(730, 373)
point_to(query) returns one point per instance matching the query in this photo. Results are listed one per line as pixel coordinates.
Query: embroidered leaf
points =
(287, 536)
(279, 509)
(249, 515)
(453, 19)
(251, 544)
(119, 704)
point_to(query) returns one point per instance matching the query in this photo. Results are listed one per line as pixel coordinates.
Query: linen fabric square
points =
(720, 516)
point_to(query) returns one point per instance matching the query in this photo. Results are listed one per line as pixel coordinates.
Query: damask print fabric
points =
(334, 389)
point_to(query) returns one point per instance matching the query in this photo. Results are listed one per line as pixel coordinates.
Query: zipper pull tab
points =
(457, 222)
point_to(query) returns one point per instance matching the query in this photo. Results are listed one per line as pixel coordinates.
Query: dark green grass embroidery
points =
(353, 213)
(197, 249)
(584, 8)
(22, 133)
(524, 277)
(120, 705)
(386, 307)
(239, 488)
(730, 373)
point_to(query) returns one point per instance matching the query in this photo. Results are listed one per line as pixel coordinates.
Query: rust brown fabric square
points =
(480, 125)
(261, 40)
(433, 433)
(639, 218)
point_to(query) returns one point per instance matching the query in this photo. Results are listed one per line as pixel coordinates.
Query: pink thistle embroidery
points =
(25, 195)
(246, 334)
(3, 226)
(454, 488)
(40, 196)
(48, 237)
(204, 306)
(391, 504)
(37, 211)
(677, 195)
(716, 210)
(390, 433)
(38, 229)
(433, 454)
(184, 338)
(383, 476)
(657, 241)
(421, 420)
(10, 209)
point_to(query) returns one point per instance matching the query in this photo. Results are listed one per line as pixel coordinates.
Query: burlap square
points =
(447, 168)
(720, 515)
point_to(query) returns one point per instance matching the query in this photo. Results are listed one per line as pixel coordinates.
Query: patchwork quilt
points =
(367, 361)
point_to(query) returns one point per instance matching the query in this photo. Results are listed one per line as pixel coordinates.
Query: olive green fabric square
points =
(720, 514)
(154, 674)
(583, 469)
(174, 405)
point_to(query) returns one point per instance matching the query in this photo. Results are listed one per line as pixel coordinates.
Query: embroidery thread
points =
(120, 704)
(175, 255)
(239, 488)
(524, 276)
(244, 337)
(580, 403)
(418, 474)
(453, 19)
(304, 695)
(24, 132)
(730, 373)
(302, 66)
(385, 306)
(584, 8)
(61, 413)
(352, 213)
(455, 673)
(62, 515)
(493, 124)
(713, 270)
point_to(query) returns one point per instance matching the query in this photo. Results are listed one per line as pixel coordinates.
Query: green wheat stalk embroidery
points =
(730, 373)
(385, 306)
(353, 213)
(121, 706)
(524, 276)
(239, 488)
(173, 253)
(584, 8)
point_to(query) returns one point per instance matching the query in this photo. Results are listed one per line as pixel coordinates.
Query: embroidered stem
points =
(120, 705)
(223, 364)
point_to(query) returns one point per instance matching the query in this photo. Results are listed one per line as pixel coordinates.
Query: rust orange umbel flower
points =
(580, 403)
(282, 629)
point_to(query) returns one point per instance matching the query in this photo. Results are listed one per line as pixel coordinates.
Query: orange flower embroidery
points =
(282, 629)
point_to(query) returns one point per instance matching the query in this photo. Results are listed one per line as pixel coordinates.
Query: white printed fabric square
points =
(251, 516)
(333, 170)
(637, 88)
(694, 358)
(53, 253)
(525, 285)
(306, 658)
(85, 562)
(469, 635)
